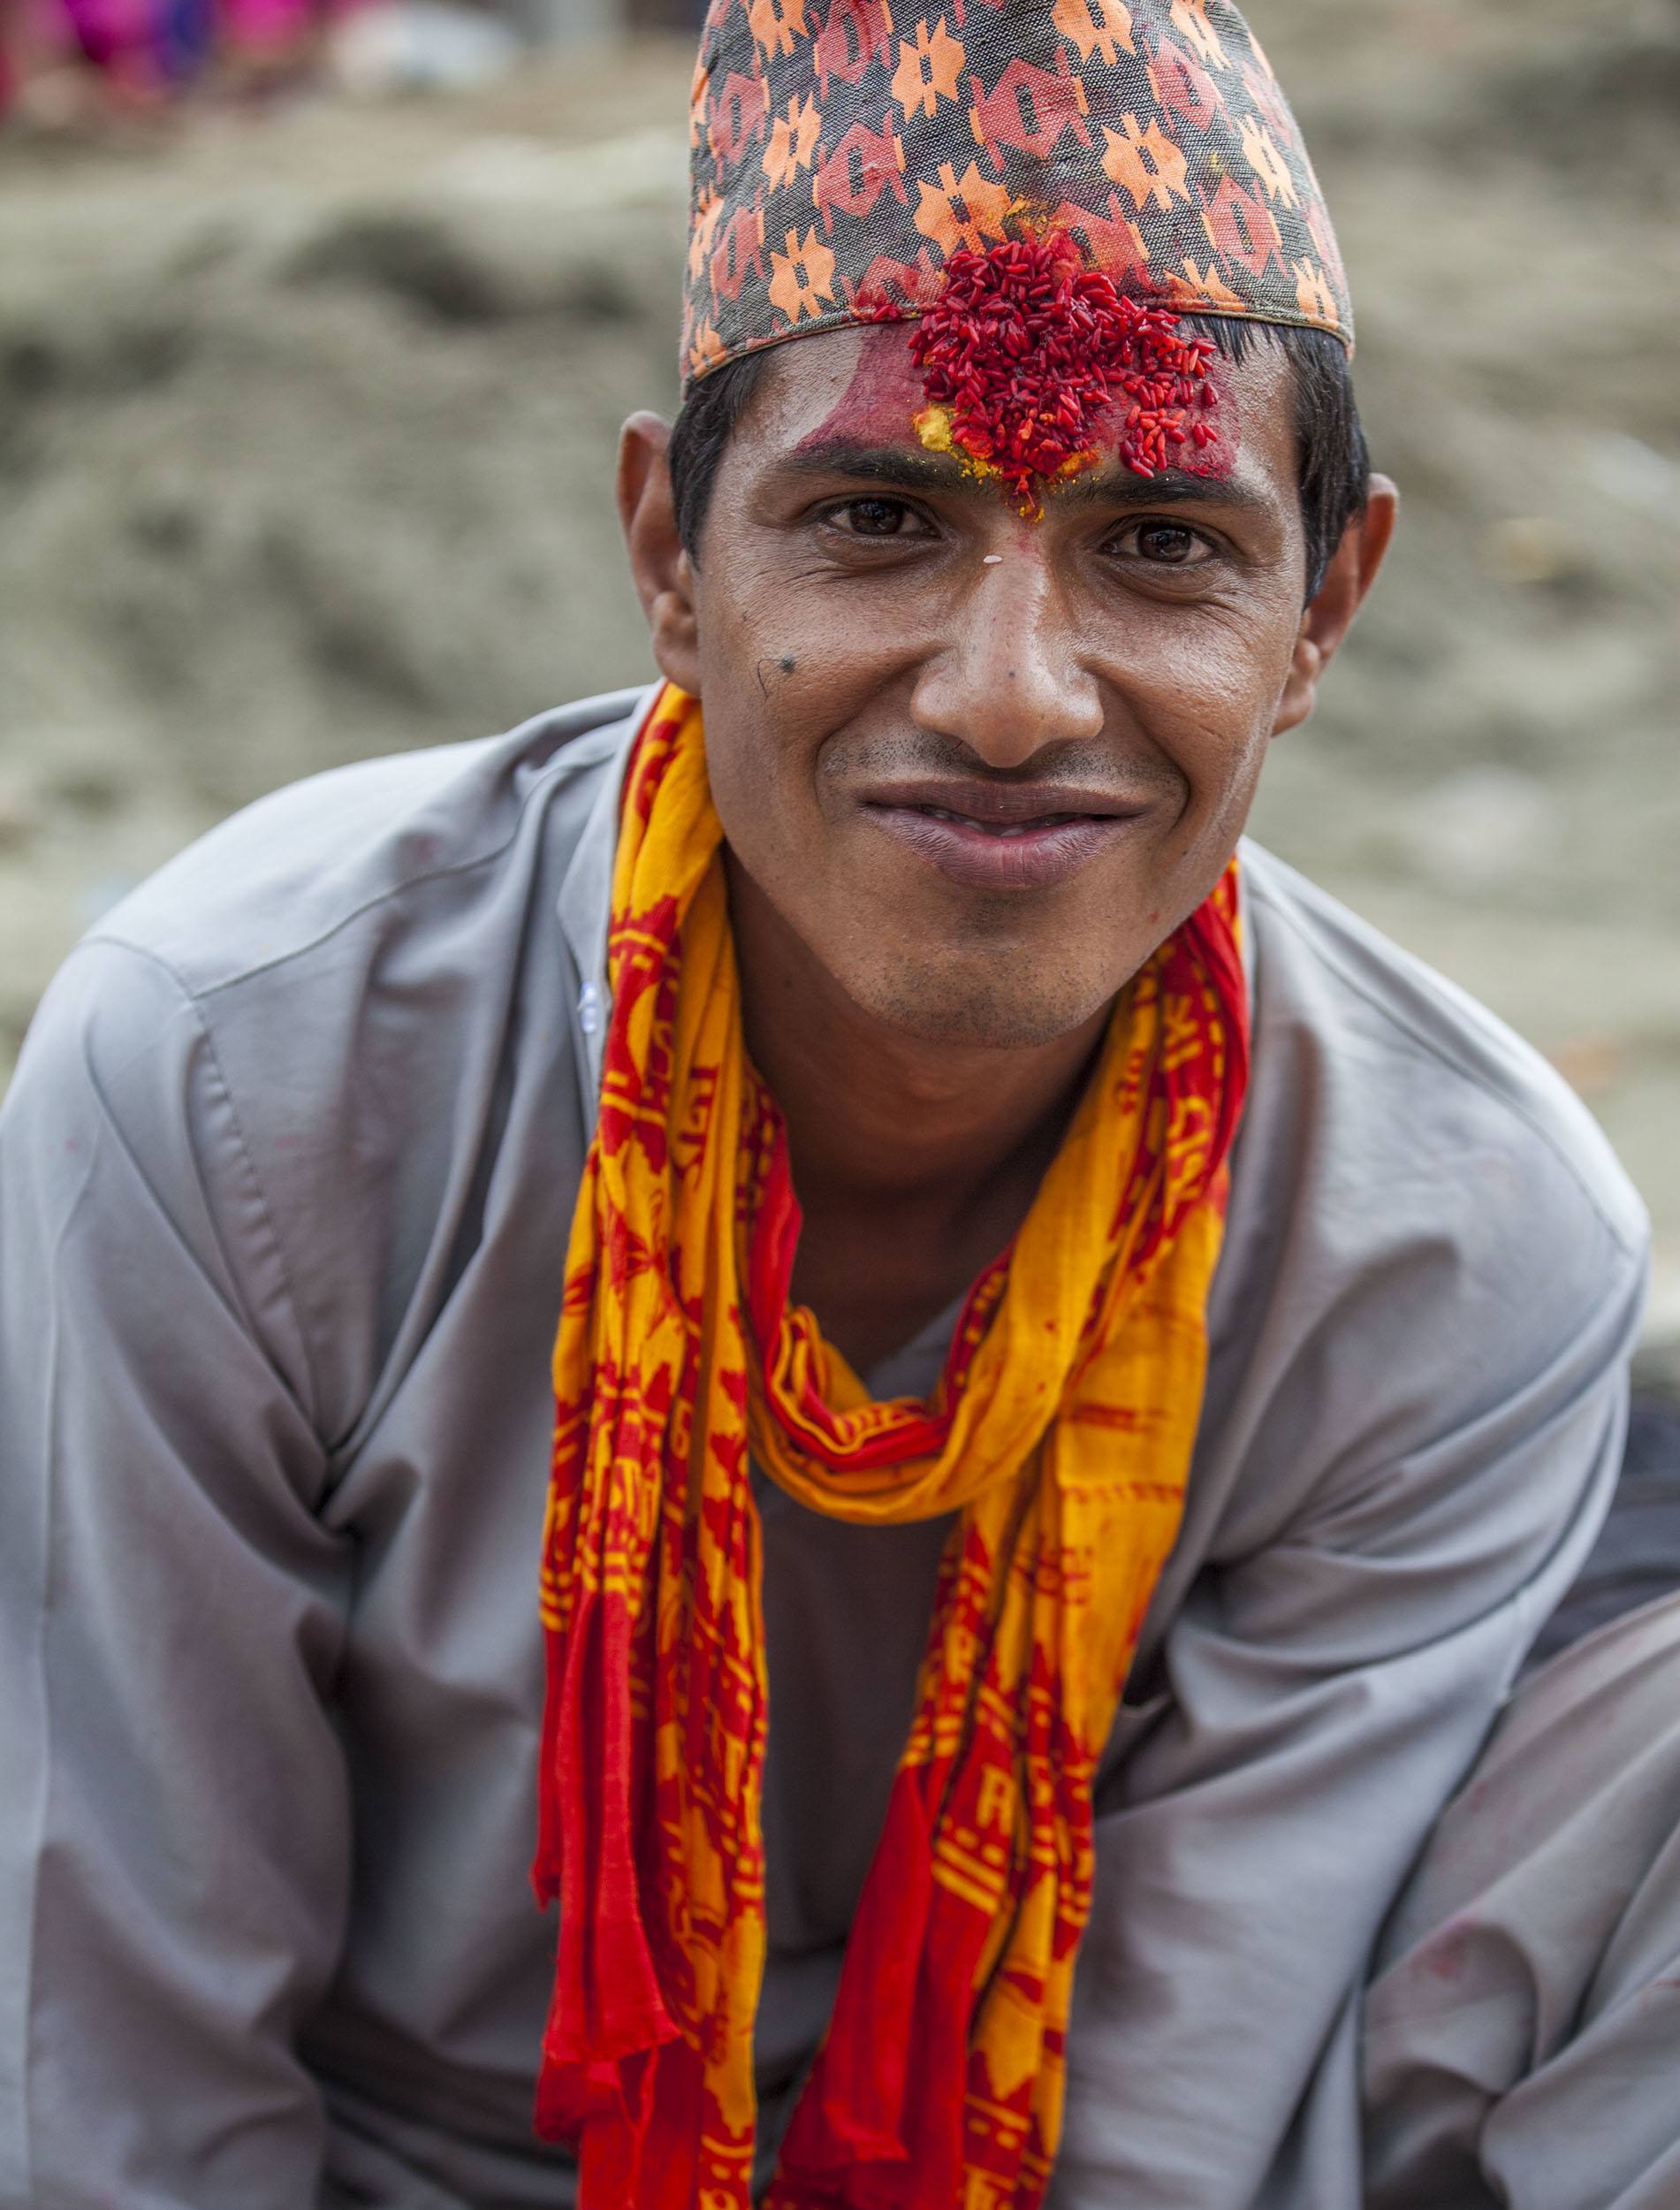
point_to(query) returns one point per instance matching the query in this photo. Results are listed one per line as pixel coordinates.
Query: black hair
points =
(1335, 466)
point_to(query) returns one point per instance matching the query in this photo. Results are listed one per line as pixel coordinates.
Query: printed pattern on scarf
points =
(1060, 1432)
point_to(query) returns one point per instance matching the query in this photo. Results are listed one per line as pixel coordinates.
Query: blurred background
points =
(317, 325)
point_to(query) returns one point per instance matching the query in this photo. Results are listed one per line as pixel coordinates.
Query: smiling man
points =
(1047, 1376)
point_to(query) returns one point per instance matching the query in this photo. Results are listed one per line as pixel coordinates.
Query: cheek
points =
(1201, 668)
(782, 651)
(1206, 698)
(764, 734)
(780, 668)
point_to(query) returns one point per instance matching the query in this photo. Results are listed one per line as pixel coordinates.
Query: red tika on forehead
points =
(1029, 351)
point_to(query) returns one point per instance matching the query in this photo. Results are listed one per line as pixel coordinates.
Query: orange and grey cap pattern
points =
(844, 150)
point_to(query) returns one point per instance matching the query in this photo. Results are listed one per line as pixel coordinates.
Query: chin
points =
(989, 1007)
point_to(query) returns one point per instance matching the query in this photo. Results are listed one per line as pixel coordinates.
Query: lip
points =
(998, 836)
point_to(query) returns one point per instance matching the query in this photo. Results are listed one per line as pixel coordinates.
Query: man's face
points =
(983, 765)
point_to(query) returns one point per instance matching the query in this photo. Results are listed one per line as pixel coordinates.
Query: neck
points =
(914, 1162)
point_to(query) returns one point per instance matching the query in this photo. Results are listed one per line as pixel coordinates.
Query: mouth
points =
(1000, 837)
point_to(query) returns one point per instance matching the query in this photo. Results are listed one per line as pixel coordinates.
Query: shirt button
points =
(589, 1009)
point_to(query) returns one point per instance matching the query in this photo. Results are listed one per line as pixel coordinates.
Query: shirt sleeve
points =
(1320, 1696)
(174, 1833)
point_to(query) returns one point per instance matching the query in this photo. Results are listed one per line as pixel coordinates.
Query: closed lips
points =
(1003, 806)
(993, 837)
(1000, 828)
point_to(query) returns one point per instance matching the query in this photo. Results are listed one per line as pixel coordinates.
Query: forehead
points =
(859, 385)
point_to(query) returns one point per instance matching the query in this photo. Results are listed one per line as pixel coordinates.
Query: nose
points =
(1010, 679)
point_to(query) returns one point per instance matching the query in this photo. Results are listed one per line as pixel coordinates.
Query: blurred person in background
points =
(1051, 1377)
(65, 60)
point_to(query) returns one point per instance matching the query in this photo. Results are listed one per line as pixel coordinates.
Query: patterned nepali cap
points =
(845, 152)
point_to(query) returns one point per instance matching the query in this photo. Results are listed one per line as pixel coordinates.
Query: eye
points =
(877, 518)
(1163, 543)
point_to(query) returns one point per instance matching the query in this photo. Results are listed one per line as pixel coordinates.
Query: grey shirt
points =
(286, 1176)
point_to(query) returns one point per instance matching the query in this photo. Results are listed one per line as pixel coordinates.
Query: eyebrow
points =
(902, 470)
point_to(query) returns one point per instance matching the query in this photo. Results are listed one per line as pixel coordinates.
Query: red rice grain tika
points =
(1026, 351)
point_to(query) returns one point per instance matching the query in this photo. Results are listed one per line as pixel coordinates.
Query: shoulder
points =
(317, 1026)
(1388, 1071)
(1433, 1271)
(363, 851)
(1426, 1227)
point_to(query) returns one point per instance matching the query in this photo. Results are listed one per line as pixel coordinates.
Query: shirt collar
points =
(585, 901)
(1245, 919)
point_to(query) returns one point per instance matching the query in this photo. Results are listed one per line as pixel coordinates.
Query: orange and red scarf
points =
(1060, 1432)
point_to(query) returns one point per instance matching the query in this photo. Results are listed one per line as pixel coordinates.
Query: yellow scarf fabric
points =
(1060, 1433)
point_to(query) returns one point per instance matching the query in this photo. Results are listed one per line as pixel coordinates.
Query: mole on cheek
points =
(787, 663)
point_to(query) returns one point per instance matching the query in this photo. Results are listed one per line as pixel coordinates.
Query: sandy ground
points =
(306, 422)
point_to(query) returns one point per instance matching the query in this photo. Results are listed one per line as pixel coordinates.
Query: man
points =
(990, 1775)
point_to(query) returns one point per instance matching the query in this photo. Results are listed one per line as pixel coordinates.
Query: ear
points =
(662, 571)
(1327, 619)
